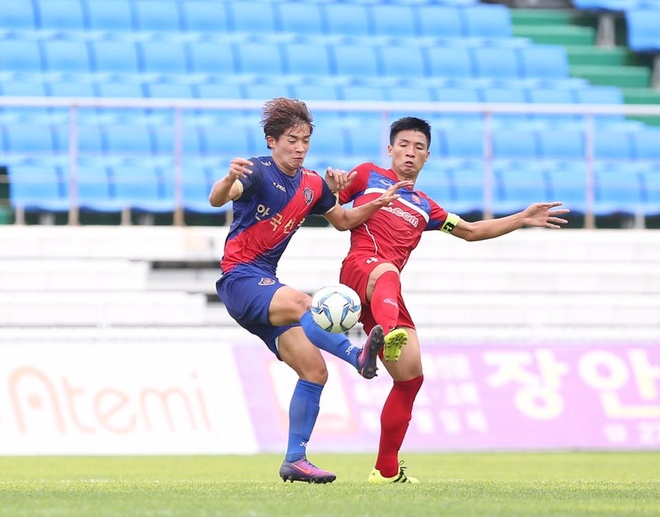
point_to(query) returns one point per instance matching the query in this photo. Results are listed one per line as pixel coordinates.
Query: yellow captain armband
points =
(450, 223)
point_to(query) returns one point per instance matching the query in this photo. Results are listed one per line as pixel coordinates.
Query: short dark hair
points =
(414, 123)
(281, 114)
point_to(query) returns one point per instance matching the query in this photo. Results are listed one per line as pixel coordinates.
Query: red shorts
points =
(355, 271)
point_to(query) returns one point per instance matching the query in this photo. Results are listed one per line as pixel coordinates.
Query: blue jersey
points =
(270, 210)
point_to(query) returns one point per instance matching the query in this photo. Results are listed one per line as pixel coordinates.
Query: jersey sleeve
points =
(326, 202)
(440, 219)
(252, 182)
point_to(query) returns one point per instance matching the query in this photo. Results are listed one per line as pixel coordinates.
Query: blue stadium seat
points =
(601, 95)
(518, 185)
(461, 143)
(164, 140)
(19, 17)
(229, 141)
(329, 142)
(259, 58)
(642, 25)
(459, 96)
(552, 96)
(394, 20)
(617, 191)
(612, 145)
(195, 188)
(365, 141)
(354, 59)
(117, 57)
(19, 87)
(71, 88)
(468, 184)
(645, 144)
(204, 16)
(23, 138)
(67, 57)
(157, 16)
(212, 58)
(397, 60)
(89, 139)
(508, 143)
(436, 181)
(506, 96)
(440, 21)
(265, 91)
(496, 62)
(141, 189)
(163, 57)
(128, 140)
(453, 63)
(307, 58)
(347, 19)
(357, 92)
(33, 187)
(316, 92)
(115, 16)
(20, 56)
(568, 184)
(543, 61)
(170, 91)
(60, 15)
(243, 17)
(94, 190)
(416, 93)
(650, 179)
(487, 21)
(561, 144)
(220, 91)
(300, 17)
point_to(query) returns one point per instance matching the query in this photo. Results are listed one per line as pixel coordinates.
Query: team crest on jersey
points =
(416, 199)
(308, 195)
(267, 281)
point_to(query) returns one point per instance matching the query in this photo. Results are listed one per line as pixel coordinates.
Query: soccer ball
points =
(336, 308)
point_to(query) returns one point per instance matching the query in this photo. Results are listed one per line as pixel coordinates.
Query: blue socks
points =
(303, 411)
(335, 344)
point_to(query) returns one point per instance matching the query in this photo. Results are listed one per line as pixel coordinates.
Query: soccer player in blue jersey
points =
(272, 196)
(380, 249)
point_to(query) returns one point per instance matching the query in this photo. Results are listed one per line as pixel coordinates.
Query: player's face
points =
(290, 149)
(409, 153)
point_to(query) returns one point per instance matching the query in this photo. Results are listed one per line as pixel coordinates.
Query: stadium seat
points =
(229, 141)
(265, 91)
(19, 17)
(242, 17)
(195, 189)
(141, 189)
(459, 96)
(543, 62)
(164, 140)
(316, 92)
(416, 93)
(440, 21)
(220, 91)
(461, 143)
(365, 141)
(436, 182)
(453, 63)
(357, 92)
(553, 96)
(307, 58)
(518, 185)
(642, 25)
(20, 56)
(163, 57)
(397, 60)
(89, 139)
(163, 90)
(259, 58)
(113, 16)
(94, 190)
(355, 60)
(487, 21)
(617, 191)
(510, 144)
(37, 188)
(601, 95)
(19, 87)
(71, 88)
(496, 63)
(468, 186)
(568, 184)
(22, 138)
(212, 58)
(650, 179)
(204, 16)
(67, 57)
(612, 145)
(299, 17)
(506, 96)
(346, 19)
(157, 16)
(117, 57)
(60, 15)
(328, 142)
(128, 140)
(645, 144)
(561, 144)
(394, 20)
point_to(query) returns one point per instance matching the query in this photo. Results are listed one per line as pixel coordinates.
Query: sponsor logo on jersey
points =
(278, 186)
(308, 195)
(267, 163)
(267, 281)
(406, 216)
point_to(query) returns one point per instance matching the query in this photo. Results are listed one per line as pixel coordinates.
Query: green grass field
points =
(497, 484)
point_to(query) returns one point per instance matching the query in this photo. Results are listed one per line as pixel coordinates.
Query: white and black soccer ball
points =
(336, 308)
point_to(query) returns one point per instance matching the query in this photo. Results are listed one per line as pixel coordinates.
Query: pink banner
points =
(477, 398)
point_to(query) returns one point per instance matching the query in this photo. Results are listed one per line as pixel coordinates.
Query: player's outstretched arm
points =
(227, 188)
(345, 219)
(545, 215)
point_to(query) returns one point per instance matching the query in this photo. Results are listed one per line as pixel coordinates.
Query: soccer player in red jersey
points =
(272, 196)
(380, 248)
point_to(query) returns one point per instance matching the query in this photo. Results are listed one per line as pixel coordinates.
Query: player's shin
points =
(335, 344)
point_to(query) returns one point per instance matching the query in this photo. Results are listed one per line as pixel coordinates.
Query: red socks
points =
(394, 420)
(384, 304)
